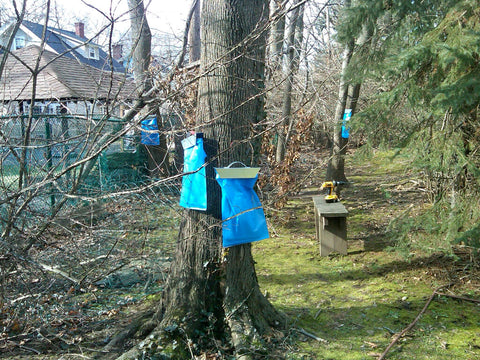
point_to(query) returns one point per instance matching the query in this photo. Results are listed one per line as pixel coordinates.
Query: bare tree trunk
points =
(299, 43)
(291, 66)
(328, 31)
(277, 36)
(347, 99)
(210, 289)
(336, 165)
(194, 33)
(142, 51)
(142, 45)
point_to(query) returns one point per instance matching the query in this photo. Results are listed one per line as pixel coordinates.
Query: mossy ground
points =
(358, 301)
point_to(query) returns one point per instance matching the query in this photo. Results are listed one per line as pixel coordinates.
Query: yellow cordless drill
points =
(331, 185)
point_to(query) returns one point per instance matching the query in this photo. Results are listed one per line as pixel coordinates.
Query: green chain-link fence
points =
(43, 163)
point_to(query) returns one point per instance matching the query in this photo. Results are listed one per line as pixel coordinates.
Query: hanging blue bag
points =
(194, 185)
(347, 115)
(242, 213)
(150, 134)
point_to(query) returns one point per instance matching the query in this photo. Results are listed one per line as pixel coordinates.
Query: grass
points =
(358, 301)
(355, 302)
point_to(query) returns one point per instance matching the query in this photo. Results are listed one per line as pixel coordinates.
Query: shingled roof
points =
(60, 77)
(57, 39)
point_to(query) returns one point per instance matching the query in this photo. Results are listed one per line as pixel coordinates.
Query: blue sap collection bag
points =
(194, 185)
(347, 115)
(150, 134)
(242, 213)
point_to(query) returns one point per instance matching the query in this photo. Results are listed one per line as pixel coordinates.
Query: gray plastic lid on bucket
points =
(244, 172)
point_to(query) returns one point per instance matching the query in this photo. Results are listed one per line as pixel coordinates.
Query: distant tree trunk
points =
(277, 36)
(142, 52)
(142, 46)
(336, 164)
(347, 99)
(299, 43)
(291, 66)
(328, 31)
(210, 289)
(194, 34)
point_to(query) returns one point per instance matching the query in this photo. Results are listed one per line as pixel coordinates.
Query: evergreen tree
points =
(426, 59)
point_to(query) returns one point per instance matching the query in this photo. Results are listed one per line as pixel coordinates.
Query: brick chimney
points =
(80, 29)
(117, 51)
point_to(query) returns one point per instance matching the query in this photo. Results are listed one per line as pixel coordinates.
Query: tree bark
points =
(336, 165)
(347, 99)
(294, 41)
(277, 36)
(212, 294)
(142, 51)
(142, 46)
(194, 34)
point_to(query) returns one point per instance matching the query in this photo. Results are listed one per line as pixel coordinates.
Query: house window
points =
(19, 42)
(52, 109)
(92, 52)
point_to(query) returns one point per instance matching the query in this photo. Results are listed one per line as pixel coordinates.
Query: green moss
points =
(356, 302)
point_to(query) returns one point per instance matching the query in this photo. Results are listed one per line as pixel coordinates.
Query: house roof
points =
(60, 77)
(57, 40)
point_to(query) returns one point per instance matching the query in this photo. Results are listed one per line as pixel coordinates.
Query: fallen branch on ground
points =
(463, 298)
(59, 272)
(412, 324)
(303, 332)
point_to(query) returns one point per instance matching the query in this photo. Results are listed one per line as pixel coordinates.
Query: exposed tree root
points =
(241, 339)
(187, 328)
(129, 332)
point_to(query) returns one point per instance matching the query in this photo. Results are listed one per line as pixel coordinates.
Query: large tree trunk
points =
(213, 295)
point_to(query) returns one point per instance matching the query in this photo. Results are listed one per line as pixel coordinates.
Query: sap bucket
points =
(150, 134)
(242, 213)
(194, 183)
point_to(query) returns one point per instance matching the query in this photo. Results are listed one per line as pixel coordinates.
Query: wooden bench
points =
(330, 225)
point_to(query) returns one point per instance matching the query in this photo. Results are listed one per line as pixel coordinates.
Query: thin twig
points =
(29, 349)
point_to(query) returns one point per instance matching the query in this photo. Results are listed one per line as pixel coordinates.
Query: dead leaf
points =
(371, 344)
